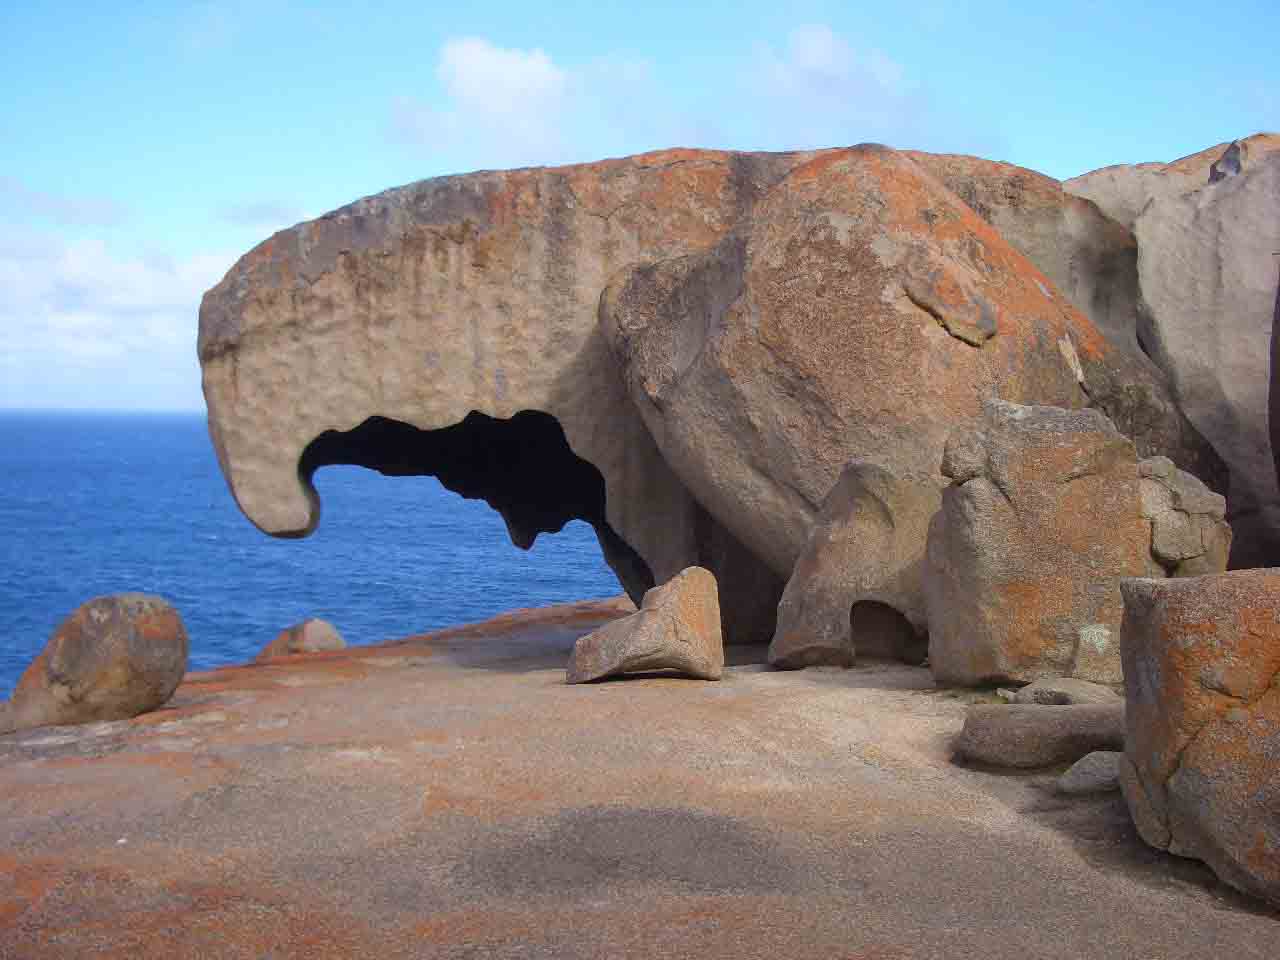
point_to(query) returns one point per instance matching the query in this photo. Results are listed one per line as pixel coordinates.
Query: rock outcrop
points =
(1064, 691)
(858, 586)
(677, 628)
(115, 657)
(1206, 228)
(790, 312)
(862, 312)
(1039, 524)
(309, 636)
(1025, 737)
(1189, 536)
(1201, 772)
(1098, 772)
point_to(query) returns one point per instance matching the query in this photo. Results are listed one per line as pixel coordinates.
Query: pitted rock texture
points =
(1064, 691)
(1039, 523)
(478, 298)
(1206, 228)
(310, 636)
(862, 312)
(858, 586)
(1189, 536)
(1201, 772)
(677, 628)
(115, 657)
(1023, 736)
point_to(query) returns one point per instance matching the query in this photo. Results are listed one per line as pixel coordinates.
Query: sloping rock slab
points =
(1029, 736)
(1202, 762)
(676, 628)
(1098, 772)
(1063, 691)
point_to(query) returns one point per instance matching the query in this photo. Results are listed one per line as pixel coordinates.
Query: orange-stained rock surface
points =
(450, 796)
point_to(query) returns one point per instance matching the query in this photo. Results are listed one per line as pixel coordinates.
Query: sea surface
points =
(104, 503)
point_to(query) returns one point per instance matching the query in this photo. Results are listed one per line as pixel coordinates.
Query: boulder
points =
(862, 312)
(1098, 772)
(858, 585)
(1189, 536)
(310, 636)
(1022, 736)
(1063, 691)
(1206, 229)
(1201, 772)
(114, 658)
(1039, 524)
(677, 628)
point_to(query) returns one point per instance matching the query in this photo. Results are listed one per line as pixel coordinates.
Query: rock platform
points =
(449, 796)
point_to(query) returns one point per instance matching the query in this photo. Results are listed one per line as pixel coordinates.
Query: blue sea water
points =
(104, 503)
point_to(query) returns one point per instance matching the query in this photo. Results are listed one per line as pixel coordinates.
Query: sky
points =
(145, 146)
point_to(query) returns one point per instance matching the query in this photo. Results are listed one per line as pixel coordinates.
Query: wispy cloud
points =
(19, 201)
(76, 319)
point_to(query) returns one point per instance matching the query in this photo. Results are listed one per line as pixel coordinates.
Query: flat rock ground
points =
(450, 796)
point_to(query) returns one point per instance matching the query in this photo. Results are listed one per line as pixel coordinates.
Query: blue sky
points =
(144, 146)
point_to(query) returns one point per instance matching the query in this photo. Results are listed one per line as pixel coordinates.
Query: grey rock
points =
(1039, 523)
(1098, 772)
(1189, 536)
(676, 628)
(857, 587)
(1024, 737)
(1063, 691)
(310, 636)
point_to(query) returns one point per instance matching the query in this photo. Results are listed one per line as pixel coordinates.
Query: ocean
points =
(96, 503)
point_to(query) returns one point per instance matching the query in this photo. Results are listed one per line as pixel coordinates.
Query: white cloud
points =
(20, 201)
(80, 326)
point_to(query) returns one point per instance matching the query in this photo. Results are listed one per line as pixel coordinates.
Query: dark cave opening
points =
(878, 630)
(523, 467)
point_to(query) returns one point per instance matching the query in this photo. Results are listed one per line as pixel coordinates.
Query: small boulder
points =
(1201, 771)
(1064, 691)
(1189, 536)
(1025, 557)
(310, 636)
(1098, 772)
(676, 628)
(858, 586)
(1025, 736)
(112, 659)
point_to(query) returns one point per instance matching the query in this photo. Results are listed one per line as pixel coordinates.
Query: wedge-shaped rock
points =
(1201, 771)
(114, 658)
(1098, 772)
(677, 628)
(1025, 557)
(858, 587)
(1027, 736)
(310, 636)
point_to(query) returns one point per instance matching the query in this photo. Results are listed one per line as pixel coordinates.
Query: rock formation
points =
(1039, 523)
(791, 311)
(1064, 691)
(1098, 772)
(858, 586)
(1024, 736)
(1189, 536)
(1206, 228)
(677, 628)
(114, 658)
(310, 636)
(1201, 772)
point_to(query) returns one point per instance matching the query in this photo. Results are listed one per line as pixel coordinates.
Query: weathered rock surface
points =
(1064, 691)
(453, 327)
(1206, 228)
(1089, 257)
(676, 628)
(115, 657)
(447, 796)
(862, 312)
(1189, 536)
(310, 636)
(1039, 523)
(1024, 736)
(1122, 191)
(858, 586)
(1098, 772)
(1202, 760)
